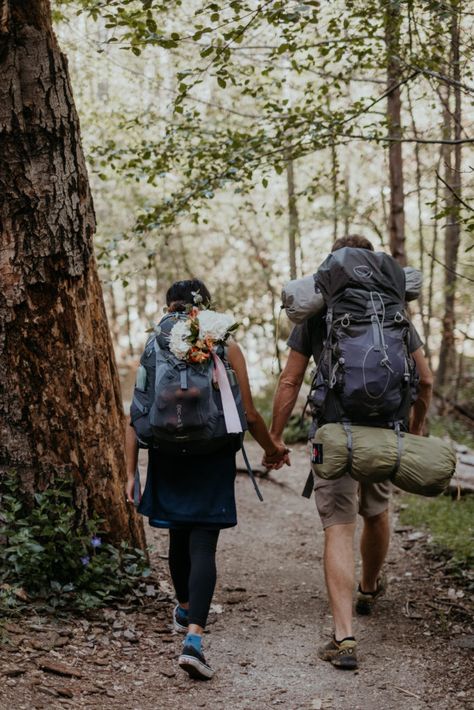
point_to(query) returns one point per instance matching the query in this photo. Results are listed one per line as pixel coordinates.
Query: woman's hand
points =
(129, 488)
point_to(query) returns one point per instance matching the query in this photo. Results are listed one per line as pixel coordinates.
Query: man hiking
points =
(339, 500)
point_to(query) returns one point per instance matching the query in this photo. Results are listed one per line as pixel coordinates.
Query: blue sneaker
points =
(193, 662)
(180, 620)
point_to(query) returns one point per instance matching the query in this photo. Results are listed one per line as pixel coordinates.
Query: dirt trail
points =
(270, 614)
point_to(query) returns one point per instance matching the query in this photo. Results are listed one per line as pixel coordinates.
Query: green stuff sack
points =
(413, 463)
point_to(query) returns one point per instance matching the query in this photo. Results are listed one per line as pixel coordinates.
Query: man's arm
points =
(286, 393)
(422, 403)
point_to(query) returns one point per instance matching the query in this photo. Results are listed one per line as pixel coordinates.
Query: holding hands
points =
(276, 456)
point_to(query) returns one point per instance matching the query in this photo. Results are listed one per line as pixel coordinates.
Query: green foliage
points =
(297, 430)
(306, 53)
(46, 555)
(454, 428)
(191, 112)
(451, 523)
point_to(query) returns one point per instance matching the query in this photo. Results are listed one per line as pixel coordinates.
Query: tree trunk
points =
(60, 405)
(395, 158)
(431, 278)
(452, 164)
(293, 222)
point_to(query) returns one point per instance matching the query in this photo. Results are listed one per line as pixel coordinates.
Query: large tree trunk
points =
(445, 376)
(395, 158)
(60, 404)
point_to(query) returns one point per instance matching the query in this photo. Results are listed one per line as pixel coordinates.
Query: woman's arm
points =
(274, 453)
(131, 453)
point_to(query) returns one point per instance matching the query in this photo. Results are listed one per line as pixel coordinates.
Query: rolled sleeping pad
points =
(301, 301)
(420, 465)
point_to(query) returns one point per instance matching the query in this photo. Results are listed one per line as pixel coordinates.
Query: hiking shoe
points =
(194, 663)
(342, 654)
(180, 620)
(366, 600)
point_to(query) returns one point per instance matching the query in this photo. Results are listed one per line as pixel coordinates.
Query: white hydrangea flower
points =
(214, 325)
(178, 341)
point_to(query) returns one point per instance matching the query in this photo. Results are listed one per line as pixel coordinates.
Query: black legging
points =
(192, 561)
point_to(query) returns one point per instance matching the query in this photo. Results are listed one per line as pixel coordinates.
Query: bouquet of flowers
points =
(194, 339)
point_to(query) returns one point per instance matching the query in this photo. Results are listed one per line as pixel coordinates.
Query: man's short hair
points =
(353, 240)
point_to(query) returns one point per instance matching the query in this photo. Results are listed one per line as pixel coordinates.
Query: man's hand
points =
(277, 457)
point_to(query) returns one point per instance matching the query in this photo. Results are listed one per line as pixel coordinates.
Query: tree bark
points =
(445, 375)
(60, 405)
(395, 157)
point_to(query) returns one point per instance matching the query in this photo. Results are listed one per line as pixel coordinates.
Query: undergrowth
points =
(454, 428)
(48, 559)
(450, 522)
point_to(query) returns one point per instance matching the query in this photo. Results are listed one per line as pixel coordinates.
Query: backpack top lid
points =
(356, 269)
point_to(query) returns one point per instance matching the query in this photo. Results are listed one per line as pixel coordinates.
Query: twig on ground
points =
(407, 692)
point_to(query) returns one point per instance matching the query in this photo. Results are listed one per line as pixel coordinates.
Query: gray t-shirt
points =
(308, 338)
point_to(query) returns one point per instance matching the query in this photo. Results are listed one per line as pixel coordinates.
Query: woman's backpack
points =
(177, 406)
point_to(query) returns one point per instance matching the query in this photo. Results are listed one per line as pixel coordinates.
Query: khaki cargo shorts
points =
(338, 501)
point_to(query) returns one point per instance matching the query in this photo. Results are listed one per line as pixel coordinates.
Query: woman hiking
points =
(193, 496)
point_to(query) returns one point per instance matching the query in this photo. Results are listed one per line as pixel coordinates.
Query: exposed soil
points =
(269, 616)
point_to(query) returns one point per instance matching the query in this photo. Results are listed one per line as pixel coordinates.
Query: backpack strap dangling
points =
(308, 486)
(250, 472)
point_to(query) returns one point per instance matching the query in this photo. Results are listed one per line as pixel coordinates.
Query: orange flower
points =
(197, 355)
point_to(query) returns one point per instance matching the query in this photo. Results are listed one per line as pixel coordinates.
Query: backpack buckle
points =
(183, 376)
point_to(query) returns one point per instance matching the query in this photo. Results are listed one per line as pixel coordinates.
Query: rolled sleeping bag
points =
(413, 283)
(416, 464)
(301, 301)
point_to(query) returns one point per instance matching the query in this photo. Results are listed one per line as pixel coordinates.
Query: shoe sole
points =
(348, 665)
(179, 627)
(194, 668)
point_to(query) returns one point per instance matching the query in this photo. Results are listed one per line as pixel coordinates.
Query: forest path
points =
(270, 614)
(274, 615)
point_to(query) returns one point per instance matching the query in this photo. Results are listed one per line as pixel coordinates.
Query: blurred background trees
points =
(235, 140)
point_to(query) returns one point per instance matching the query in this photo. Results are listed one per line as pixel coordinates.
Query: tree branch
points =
(461, 201)
(461, 276)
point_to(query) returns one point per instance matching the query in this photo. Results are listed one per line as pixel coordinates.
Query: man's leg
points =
(339, 573)
(374, 543)
(373, 506)
(336, 501)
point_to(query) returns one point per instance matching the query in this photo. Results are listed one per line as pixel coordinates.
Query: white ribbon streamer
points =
(231, 415)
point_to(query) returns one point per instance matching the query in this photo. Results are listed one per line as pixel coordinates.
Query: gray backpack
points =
(365, 373)
(176, 405)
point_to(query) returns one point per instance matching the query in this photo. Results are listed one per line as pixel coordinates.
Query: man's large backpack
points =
(365, 374)
(177, 405)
